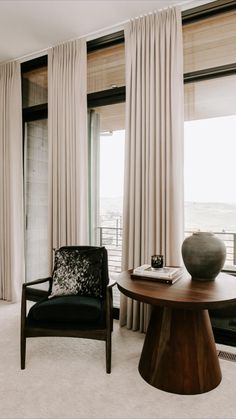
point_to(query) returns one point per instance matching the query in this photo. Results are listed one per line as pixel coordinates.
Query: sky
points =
(112, 164)
(210, 161)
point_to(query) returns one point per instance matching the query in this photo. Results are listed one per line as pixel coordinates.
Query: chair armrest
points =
(32, 294)
(109, 305)
(35, 294)
(37, 281)
(111, 284)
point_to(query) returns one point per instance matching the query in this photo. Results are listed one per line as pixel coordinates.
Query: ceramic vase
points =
(203, 255)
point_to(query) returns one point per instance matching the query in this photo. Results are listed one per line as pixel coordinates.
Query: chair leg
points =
(108, 353)
(22, 350)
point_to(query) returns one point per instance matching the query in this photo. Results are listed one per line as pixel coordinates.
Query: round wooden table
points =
(179, 353)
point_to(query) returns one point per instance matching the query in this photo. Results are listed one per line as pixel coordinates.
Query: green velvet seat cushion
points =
(71, 308)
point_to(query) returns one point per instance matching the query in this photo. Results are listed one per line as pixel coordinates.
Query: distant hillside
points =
(198, 215)
(210, 216)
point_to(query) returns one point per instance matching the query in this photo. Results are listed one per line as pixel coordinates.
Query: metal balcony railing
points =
(229, 238)
(111, 238)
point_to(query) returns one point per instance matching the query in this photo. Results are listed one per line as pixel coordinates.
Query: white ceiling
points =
(30, 26)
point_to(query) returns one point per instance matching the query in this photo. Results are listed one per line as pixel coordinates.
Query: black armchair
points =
(78, 302)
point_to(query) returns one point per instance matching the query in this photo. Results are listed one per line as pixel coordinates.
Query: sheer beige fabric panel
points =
(68, 150)
(11, 184)
(153, 194)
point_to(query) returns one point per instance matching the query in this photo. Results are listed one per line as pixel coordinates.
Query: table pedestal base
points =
(179, 353)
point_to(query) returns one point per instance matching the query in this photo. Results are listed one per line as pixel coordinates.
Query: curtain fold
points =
(153, 192)
(68, 147)
(11, 183)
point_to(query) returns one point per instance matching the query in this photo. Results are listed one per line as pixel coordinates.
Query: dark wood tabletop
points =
(185, 293)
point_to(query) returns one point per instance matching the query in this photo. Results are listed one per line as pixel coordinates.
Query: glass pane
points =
(36, 199)
(107, 178)
(210, 42)
(35, 87)
(106, 68)
(210, 170)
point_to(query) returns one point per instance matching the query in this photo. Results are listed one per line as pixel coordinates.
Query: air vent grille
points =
(227, 356)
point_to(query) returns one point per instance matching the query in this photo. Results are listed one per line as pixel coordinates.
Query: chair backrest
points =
(90, 250)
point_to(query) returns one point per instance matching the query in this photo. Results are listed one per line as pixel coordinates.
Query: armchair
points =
(78, 302)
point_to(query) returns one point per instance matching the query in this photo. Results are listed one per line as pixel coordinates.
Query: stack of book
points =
(167, 275)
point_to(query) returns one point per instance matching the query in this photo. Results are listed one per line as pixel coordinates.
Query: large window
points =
(36, 199)
(107, 179)
(106, 88)
(210, 126)
(34, 89)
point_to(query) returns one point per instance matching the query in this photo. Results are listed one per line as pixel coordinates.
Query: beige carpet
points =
(66, 378)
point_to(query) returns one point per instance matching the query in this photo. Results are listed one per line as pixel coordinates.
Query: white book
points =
(168, 272)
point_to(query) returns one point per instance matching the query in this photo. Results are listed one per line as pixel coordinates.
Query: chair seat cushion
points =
(71, 308)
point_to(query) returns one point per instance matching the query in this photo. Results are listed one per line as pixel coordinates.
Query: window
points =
(34, 98)
(106, 71)
(36, 199)
(108, 142)
(106, 88)
(210, 123)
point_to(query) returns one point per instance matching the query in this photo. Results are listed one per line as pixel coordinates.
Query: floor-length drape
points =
(68, 153)
(11, 183)
(153, 194)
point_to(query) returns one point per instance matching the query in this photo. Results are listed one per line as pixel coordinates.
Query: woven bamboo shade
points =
(210, 98)
(210, 42)
(106, 68)
(112, 117)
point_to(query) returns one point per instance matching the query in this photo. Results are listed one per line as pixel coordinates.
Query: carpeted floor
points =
(66, 378)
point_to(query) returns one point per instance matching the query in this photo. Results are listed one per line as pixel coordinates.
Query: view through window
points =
(108, 138)
(210, 170)
(111, 194)
(210, 124)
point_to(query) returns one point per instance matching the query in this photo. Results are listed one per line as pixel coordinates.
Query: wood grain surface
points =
(179, 353)
(185, 293)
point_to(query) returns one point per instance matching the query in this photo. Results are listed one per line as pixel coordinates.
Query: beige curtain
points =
(11, 183)
(68, 154)
(153, 195)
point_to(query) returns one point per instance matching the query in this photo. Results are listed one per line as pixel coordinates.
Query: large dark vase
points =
(203, 255)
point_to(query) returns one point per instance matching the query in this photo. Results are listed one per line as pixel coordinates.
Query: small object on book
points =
(168, 274)
(157, 261)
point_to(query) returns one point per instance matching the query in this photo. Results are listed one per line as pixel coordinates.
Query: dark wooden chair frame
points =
(99, 333)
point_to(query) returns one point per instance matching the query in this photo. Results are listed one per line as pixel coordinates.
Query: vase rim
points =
(209, 233)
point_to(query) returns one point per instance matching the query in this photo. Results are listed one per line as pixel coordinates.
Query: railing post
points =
(234, 249)
(100, 235)
(117, 232)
